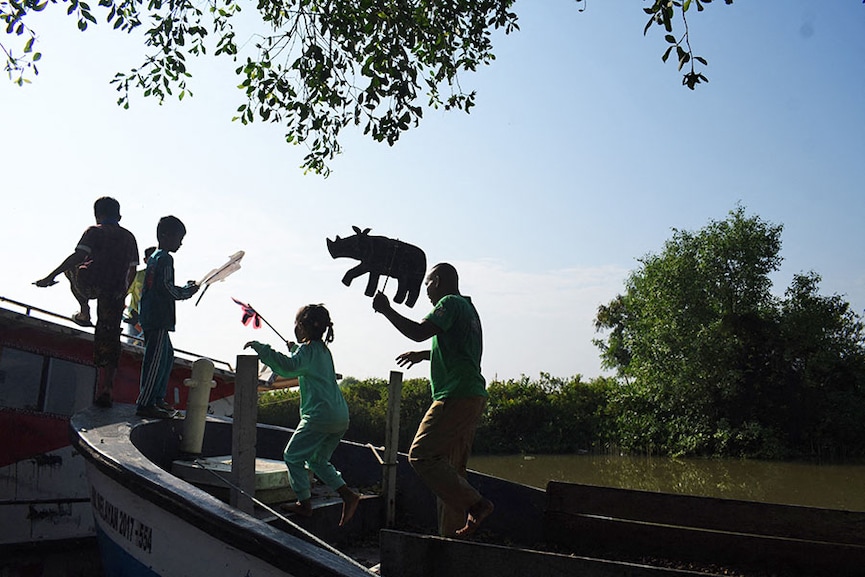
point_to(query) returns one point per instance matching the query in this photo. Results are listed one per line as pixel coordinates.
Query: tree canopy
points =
(320, 65)
(713, 363)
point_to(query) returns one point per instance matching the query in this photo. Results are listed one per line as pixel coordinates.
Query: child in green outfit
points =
(323, 410)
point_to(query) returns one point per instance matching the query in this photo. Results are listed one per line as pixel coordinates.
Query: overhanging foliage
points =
(318, 66)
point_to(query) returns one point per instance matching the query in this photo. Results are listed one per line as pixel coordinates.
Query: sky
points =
(583, 154)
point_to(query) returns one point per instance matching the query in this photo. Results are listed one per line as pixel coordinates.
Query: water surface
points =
(831, 486)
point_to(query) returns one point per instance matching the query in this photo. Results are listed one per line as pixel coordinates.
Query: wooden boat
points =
(152, 522)
(47, 374)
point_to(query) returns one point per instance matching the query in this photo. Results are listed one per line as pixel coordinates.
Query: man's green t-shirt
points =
(455, 355)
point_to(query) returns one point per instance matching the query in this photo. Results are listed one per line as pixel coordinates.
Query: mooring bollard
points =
(196, 406)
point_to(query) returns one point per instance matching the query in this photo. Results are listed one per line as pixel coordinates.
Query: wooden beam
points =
(413, 555)
(795, 522)
(391, 442)
(243, 433)
(627, 525)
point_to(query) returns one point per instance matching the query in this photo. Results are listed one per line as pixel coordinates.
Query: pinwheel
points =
(221, 273)
(250, 315)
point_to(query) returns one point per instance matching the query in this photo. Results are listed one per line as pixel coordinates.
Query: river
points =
(831, 486)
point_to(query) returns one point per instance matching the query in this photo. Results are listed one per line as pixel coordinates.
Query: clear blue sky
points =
(583, 153)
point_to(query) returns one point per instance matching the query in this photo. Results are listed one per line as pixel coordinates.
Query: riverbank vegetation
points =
(551, 415)
(707, 361)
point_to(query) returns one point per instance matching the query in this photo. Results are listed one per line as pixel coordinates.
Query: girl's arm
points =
(282, 365)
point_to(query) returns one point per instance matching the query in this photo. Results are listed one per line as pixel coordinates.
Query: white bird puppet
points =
(221, 273)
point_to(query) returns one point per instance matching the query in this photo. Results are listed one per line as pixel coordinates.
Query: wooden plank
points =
(413, 555)
(634, 540)
(796, 522)
(243, 432)
(391, 441)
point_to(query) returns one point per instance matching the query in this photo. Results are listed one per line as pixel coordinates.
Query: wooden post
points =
(391, 440)
(243, 432)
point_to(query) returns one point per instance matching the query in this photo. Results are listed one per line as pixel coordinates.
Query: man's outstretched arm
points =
(416, 331)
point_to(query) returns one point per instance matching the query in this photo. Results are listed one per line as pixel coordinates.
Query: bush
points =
(549, 415)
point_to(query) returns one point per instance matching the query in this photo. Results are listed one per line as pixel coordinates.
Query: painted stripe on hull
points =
(116, 561)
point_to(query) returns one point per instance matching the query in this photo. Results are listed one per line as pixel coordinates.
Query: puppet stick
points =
(389, 267)
(204, 290)
(221, 273)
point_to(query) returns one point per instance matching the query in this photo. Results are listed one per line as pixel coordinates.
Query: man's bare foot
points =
(477, 513)
(350, 501)
(303, 508)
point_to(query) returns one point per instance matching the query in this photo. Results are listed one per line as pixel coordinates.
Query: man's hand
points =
(380, 303)
(412, 358)
(191, 284)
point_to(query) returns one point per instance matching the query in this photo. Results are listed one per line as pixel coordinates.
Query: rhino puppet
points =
(379, 255)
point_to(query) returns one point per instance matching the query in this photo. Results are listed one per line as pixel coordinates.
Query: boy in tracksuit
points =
(157, 317)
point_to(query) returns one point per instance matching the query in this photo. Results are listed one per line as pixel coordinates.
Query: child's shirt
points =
(321, 402)
(111, 252)
(135, 294)
(158, 294)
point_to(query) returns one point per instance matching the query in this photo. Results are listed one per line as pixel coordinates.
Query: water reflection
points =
(832, 486)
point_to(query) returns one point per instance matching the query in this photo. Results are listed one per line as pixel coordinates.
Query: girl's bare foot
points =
(303, 508)
(350, 501)
(477, 513)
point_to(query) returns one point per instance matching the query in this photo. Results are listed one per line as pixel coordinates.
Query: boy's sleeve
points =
(178, 293)
(133, 252)
(86, 241)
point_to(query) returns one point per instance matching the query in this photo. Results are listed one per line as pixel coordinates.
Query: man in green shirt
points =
(441, 447)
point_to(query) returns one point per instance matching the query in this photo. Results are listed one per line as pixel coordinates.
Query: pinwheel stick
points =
(264, 320)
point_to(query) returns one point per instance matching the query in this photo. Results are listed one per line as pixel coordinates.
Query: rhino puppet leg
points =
(412, 297)
(371, 284)
(353, 273)
(401, 291)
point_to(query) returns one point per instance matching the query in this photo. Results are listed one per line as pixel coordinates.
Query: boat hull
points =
(46, 375)
(150, 522)
(137, 539)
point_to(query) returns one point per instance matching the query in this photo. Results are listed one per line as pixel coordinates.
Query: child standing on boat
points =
(101, 268)
(323, 410)
(157, 317)
(136, 335)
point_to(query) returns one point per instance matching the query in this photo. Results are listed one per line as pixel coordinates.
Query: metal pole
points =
(391, 440)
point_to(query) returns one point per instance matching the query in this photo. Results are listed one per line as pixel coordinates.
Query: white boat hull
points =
(137, 539)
